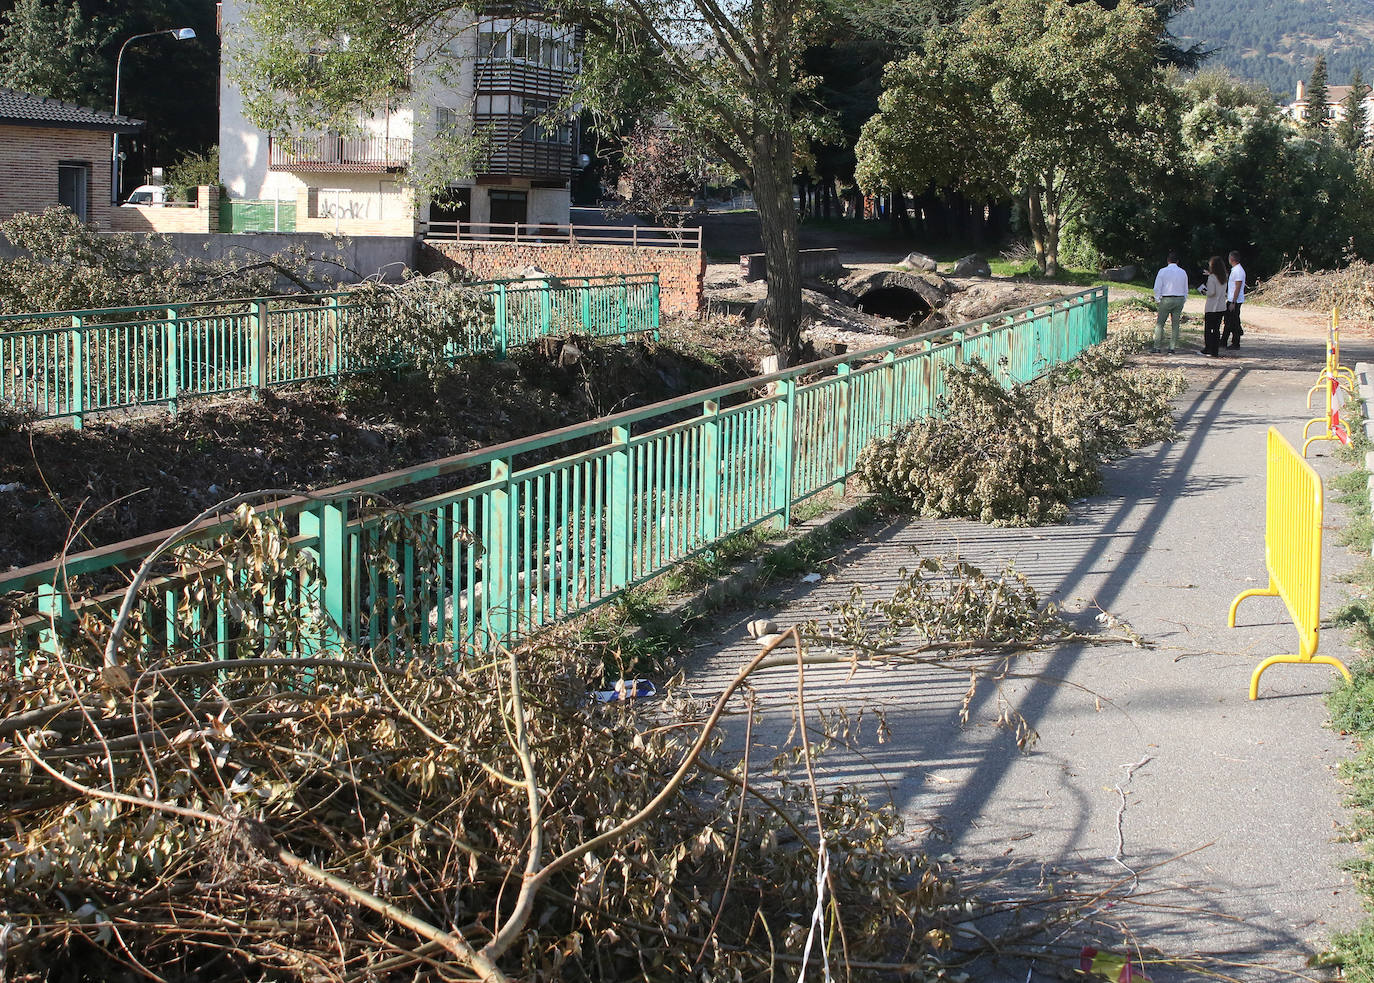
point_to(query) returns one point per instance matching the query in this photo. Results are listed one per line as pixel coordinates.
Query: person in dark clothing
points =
(1235, 296)
(1215, 311)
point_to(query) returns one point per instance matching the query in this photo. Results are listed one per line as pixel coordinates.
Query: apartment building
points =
(497, 77)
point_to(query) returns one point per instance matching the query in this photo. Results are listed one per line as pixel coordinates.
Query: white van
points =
(147, 195)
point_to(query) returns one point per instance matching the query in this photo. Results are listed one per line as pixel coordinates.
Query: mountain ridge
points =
(1274, 42)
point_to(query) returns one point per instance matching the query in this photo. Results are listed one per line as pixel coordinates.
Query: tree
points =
(1051, 101)
(54, 50)
(1244, 179)
(661, 173)
(1354, 121)
(724, 73)
(1318, 107)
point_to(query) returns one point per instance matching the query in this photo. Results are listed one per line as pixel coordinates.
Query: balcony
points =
(497, 76)
(333, 153)
(513, 154)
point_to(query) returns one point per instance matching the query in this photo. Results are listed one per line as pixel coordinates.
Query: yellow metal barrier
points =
(1333, 378)
(1333, 368)
(1335, 429)
(1292, 552)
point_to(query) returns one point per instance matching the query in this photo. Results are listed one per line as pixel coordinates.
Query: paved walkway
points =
(1231, 814)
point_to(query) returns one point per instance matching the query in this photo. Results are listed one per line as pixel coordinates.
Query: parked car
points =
(146, 195)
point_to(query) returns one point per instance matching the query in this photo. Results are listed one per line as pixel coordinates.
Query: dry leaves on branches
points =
(1017, 455)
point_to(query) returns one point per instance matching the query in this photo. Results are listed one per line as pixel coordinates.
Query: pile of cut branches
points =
(422, 323)
(174, 816)
(340, 820)
(1017, 455)
(1350, 288)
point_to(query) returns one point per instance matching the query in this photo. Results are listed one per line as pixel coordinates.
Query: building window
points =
(530, 42)
(492, 44)
(447, 121)
(539, 128)
(74, 186)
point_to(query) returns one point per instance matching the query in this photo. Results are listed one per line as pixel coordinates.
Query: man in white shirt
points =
(1235, 296)
(1171, 289)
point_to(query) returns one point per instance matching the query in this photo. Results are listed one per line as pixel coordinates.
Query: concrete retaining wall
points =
(361, 256)
(681, 272)
(814, 263)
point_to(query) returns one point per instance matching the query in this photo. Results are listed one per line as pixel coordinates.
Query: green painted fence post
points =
(56, 608)
(842, 420)
(710, 471)
(889, 393)
(76, 373)
(171, 363)
(586, 289)
(784, 448)
(502, 310)
(257, 357)
(655, 294)
(618, 507)
(331, 318)
(327, 523)
(546, 310)
(499, 549)
(623, 311)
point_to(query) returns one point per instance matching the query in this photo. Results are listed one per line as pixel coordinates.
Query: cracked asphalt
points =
(1213, 822)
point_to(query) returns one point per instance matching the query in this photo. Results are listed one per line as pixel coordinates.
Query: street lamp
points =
(179, 34)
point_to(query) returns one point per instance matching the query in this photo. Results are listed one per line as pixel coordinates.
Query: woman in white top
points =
(1215, 311)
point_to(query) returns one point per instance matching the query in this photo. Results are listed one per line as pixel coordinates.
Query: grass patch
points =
(649, 629)
(1352, 704)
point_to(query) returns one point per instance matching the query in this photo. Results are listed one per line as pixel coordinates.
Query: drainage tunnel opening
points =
(898, 303)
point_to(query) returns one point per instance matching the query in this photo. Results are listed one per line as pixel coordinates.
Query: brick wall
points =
(29, 156)
(203, 216)
(681, 272)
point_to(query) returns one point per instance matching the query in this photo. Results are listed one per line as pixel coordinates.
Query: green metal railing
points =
(71, 363)
(525, 533)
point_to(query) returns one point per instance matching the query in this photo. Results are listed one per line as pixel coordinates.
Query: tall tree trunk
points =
(901, 218)
(772, 163)
(1036, 216)
(1053, 218)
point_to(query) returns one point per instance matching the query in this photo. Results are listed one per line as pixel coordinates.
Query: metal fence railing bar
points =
(69, 364)
(515, 536)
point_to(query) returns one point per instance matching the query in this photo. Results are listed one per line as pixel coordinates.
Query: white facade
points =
(1335, 106)
(482, 75)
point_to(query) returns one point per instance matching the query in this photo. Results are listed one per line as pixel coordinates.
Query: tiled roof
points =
(23, 109)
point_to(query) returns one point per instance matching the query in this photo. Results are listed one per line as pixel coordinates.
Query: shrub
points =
(420, 324)
(1019, 455)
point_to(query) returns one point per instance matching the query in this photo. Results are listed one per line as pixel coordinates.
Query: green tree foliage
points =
(1050, 101)
(52, 49)
(1318, 104)
(1171, 49)
(66, 49)
(1273, 41)
(1350, 131)
(727, 75)
(192, 171)
(1245, 179)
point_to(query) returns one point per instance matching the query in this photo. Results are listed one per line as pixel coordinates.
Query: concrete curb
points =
(736, 584)
(1364, 375)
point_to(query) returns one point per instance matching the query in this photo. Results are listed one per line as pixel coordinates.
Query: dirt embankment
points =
(143, 475)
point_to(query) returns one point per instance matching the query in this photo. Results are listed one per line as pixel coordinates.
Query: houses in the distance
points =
(56, 153)
(496, 77)
(1336, 95)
